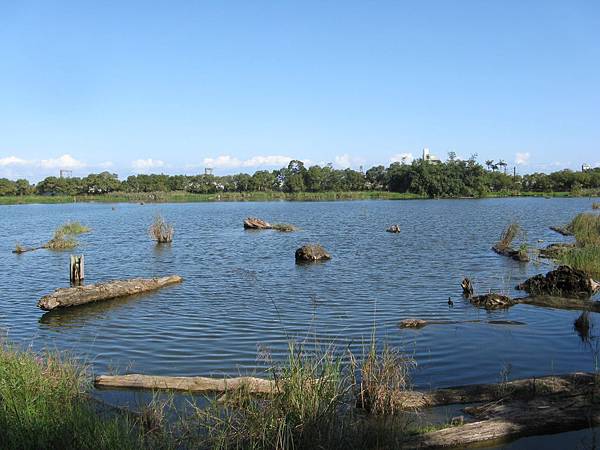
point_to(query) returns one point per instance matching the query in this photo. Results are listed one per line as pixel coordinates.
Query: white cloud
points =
(146, 164)
(228, 161)
(402, 157)
(13, 161)
(522, 158)
(62, 162)
(345, 161)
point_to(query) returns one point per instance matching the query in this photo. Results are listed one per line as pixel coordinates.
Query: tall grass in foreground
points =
(316, 406)
(319, 402)
(43, 406)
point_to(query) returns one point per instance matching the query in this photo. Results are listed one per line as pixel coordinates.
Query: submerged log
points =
(189, 384)
(420, 323)
(253, 223)
(517, 255)
(547, 301)
(562, 282)
(562, 230)
(79, 295)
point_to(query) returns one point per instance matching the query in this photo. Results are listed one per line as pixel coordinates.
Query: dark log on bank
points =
(561, 282)
(79, 295)
(253, 223)
(311, 253)
(189, 384)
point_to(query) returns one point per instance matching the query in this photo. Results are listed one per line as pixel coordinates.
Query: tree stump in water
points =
(393, 229)
(467, 287)
(76, 269)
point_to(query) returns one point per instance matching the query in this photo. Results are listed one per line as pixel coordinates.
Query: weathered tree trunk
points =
(80, 295)
(76, 269)
(189, 384)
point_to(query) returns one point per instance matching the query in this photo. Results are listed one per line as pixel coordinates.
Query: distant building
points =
(427, 156)
(65, 173)
(208, 171)
(585, 167)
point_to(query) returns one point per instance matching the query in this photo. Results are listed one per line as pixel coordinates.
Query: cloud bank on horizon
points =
(14, 167)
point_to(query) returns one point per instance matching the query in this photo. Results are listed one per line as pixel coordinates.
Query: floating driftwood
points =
(563, 281)
(80, 295)
(189, 384)
(420, 323)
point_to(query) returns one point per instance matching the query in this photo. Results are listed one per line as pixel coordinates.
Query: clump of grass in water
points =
(586, 229)
(508, 236)
(61, 241)
(595, 205)
(43, 404)
(72, 228)
(161, 231)
(285, 227)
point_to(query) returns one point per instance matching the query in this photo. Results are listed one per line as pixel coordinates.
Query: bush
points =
(161, 231)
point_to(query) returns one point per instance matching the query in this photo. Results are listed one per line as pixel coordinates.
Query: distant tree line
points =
(452, 178)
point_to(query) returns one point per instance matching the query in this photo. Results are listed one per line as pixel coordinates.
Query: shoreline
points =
(184, 197)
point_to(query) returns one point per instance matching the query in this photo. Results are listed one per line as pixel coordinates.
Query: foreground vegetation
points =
(452, 178)
(586, 254)
(45, 402)
(43, 405)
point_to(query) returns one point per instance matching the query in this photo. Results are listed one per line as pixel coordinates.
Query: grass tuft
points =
(73, 228)
(161, 231)
(508, 236)
(285, 227)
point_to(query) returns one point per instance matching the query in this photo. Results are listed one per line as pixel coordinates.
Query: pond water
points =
(244, 297)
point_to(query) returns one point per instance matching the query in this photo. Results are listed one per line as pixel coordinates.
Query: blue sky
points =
(177, 86)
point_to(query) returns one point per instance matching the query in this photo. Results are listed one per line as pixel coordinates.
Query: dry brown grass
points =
(385, 378)
(508, 236)
(161, 231)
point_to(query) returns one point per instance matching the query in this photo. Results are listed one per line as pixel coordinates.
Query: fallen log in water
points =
(572, 384)
(420, 323)
(79, 295)
(580, 304)
(188, 384)
(520, 408)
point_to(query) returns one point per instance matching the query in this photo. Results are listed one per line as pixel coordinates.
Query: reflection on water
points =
(243, 291)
